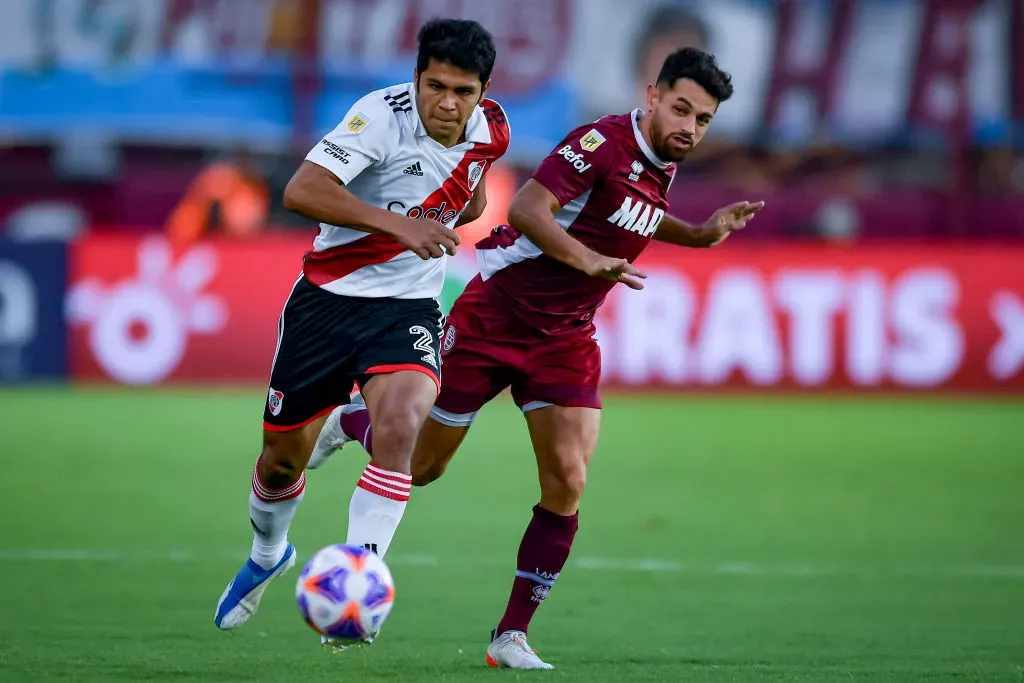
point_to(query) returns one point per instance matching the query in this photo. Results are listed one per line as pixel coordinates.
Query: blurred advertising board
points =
(895, 317)
(33, 339)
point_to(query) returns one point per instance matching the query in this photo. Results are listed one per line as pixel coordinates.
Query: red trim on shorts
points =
(288, 428)
(401, 367)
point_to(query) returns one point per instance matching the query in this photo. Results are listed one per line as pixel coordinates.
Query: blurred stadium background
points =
(813, 456)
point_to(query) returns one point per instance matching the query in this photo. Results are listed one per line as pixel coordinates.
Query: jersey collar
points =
(648, 152)
(477, 130)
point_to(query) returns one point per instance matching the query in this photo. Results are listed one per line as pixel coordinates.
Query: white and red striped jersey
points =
(382, 153)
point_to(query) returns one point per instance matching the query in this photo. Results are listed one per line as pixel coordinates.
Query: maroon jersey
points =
(612, 189)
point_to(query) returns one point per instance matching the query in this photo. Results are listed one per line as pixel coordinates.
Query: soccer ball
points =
(345, 593)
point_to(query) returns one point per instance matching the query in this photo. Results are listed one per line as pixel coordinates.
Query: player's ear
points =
(416, 79)
(483, 91)
(652, 97)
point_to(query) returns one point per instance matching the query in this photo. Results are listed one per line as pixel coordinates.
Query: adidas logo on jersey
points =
(415, 169)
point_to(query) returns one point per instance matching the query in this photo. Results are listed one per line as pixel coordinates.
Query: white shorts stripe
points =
(536, 405)
(280, 325)
(453, 419)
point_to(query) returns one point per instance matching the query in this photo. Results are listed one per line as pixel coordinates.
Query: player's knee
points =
(394, 432)
(280, 466)
(563, 485)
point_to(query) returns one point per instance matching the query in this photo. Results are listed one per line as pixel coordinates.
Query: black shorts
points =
(327, 343)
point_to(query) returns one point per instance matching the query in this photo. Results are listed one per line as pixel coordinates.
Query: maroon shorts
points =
(485, 349)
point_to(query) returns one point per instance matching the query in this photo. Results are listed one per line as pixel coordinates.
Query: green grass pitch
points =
(722, 539)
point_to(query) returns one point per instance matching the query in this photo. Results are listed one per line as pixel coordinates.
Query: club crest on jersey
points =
(357, 123)
(591, 140)
(274, 401)
(449, 339)
(476, 172)
(637, 169)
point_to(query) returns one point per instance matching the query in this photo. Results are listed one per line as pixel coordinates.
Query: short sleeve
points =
(577, 163)
(364, 138)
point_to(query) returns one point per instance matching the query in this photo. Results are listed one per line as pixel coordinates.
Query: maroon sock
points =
(542, 554)
(356, 425)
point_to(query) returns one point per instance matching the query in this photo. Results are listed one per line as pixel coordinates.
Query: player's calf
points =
(563, 441)
(278, 485)
(398, 404)
(435, 448)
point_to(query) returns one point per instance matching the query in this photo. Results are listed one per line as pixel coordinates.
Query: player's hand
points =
(727, 220)
(616, 270)
(427, 239)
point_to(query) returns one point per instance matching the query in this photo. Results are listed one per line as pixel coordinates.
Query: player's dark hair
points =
(701, 68)
(462, 43)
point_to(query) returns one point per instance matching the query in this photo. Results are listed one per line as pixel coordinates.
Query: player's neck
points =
(643, 122)
(450, 142)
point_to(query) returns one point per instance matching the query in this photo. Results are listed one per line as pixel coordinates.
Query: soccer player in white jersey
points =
(404, 167)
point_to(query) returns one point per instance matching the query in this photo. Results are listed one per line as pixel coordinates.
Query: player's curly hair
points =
(698, 66)
(462, 43)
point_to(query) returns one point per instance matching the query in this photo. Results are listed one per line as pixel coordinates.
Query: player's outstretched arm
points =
(713, 231)
(476, 205)
(532, 213)
(316, 193)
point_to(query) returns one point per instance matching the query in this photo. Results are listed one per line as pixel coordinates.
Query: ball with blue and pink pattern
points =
(345, 593)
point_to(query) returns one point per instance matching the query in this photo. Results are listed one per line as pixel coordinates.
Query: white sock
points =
(377, 506)
(271, 514)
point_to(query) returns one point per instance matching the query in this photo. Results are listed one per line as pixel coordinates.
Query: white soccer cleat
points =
(332, 438)
(511, 651)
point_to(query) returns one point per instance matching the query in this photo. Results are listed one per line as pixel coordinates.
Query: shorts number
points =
(425, 343)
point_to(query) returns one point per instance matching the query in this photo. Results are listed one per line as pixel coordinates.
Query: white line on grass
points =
(611, 564)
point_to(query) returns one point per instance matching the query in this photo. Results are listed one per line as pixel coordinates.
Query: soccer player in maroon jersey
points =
(527, 321)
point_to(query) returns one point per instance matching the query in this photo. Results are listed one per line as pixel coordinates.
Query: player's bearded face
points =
(445, 98)
(679, 118)
(663, 143)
